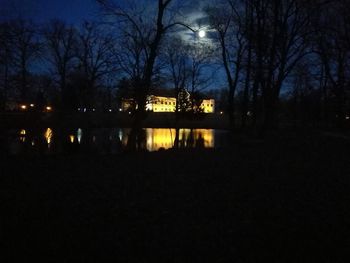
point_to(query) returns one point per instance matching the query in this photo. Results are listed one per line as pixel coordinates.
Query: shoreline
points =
(113, 119)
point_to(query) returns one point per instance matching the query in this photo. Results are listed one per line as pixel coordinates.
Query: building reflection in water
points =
(164, 138)
(114, 140)
(48, 136)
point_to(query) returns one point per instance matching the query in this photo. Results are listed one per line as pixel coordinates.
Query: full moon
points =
(201, 33)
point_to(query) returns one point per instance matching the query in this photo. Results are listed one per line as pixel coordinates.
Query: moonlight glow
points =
(201, 33)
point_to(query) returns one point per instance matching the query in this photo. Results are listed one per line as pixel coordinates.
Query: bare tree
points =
(6, 57)
(332, 46)
(281, 40)
(175, 57)
(60, 43)
(25, 48)
(142, 30)
(226, 21)
(95, 52)
(188, 66)
(199, 57)
(248, 28)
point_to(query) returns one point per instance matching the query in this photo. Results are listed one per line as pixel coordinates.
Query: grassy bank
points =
(109, 119)
(284, 199)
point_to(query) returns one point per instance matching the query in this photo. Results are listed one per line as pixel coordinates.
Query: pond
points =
(107, 140)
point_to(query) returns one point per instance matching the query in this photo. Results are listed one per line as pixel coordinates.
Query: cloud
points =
(197, 20)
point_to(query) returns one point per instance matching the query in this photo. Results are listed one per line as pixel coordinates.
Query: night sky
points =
(72, 11)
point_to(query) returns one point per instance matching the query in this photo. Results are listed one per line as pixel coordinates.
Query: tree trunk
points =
(246, 90)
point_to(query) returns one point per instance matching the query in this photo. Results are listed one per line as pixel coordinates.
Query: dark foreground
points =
(285, 199)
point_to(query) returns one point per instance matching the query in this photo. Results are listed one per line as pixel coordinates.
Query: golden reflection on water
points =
(164, 138)
(153, 138)
(48, 135)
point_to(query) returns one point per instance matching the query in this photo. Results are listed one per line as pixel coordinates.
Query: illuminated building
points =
(160, 104)
(207, 106)
(168, 104)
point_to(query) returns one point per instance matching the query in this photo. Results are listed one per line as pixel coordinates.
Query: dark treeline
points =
(281, 60)
(57, 64)
(291, 60)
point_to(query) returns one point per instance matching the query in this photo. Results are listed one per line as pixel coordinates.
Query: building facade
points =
(166, 104)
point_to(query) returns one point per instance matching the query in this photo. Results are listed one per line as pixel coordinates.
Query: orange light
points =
(48, 108)
(23, 107)
(71, 138)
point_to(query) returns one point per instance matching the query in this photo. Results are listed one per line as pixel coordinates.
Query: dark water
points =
(107, 140)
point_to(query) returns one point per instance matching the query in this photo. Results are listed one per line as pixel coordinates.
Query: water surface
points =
(107, 140)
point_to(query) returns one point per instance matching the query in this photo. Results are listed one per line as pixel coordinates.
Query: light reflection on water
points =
(22, 136)
(164, 138)
(48, 136)
(108, 140)
(79, 135)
